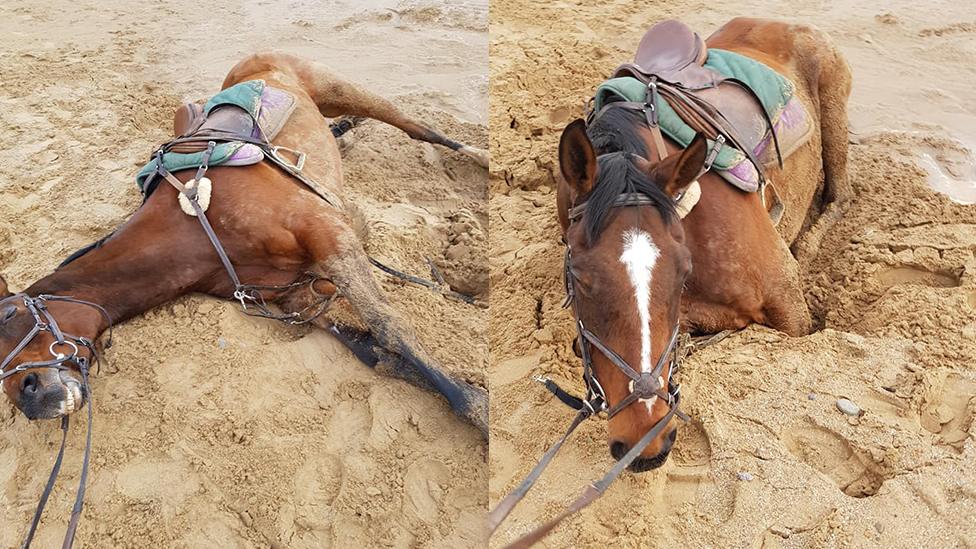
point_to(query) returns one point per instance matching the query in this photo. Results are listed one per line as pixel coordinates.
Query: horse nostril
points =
(618, 449)
(30, 384)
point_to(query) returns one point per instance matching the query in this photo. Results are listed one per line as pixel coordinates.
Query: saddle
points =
(670, 62)
(233, 128)
(673, 52)
(227, 119)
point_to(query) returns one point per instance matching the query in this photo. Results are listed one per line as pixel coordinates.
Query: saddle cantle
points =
(673, 52)
(224, 119)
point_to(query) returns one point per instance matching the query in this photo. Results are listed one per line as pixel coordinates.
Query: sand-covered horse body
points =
(639, 269)
(274, 229)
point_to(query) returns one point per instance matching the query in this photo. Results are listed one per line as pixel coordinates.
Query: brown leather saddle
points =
(673, 52)
(670, 60)
(195, 129)
(226, 119)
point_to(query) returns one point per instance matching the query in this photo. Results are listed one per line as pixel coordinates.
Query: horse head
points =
(626, 268)
(38, 392)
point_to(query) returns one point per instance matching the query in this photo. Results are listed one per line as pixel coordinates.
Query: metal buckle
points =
(239, 295)
(713, 153)
(299, 157)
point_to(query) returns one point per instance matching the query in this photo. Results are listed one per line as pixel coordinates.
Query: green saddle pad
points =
(246, 95)
(773, 90)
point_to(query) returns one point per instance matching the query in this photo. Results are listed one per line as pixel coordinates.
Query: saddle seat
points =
(226, 119)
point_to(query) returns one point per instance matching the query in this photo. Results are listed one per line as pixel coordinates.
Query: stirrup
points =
(299, 157)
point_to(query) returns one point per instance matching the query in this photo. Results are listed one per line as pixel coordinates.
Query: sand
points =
(213, 429)
(893, 290)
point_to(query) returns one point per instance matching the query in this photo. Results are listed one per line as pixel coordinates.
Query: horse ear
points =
(577, 159)
(680, 170)
(4, 291)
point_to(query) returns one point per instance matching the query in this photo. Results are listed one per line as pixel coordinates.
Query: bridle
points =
(643, 385)
(44, 322)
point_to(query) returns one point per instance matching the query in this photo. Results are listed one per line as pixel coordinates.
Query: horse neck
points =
(126, 280)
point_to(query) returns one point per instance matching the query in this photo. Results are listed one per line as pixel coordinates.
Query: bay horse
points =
(275, 233)
(637, 273)
(281, 228)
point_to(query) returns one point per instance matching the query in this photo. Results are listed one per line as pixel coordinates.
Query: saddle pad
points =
(269, 107)
(774, 91)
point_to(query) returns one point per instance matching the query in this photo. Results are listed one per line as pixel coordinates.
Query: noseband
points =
(44, 322)
(643, 385)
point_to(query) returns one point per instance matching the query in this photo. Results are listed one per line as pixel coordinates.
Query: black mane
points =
(615, 139)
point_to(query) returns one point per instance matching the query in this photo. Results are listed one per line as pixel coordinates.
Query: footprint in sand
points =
(948, 408)
(351, 420)
(915, 275)
(828, 452)
(317, 485)
(690, 481)
(423, 484)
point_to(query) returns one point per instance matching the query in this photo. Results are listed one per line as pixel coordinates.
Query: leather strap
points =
(506, 505)
(48, 487)
(204, 222)
(625, 199)
(595, 490)
(44, 321)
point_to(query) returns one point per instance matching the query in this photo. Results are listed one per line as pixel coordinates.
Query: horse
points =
(276, 233)
(637, 272)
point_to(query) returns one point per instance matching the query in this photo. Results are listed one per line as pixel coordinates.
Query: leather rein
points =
(44, 322)
(643, 385)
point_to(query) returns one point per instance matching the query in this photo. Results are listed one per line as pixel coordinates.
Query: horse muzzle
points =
(50, 394)
(644, 464)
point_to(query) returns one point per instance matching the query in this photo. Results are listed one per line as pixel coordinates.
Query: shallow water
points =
(960, 188)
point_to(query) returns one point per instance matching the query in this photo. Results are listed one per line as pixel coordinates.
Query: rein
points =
(44, 322)
(643, 385)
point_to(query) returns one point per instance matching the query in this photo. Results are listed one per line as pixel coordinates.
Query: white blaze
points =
(639, 256)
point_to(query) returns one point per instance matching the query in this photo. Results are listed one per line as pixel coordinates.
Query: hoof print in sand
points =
(690, 480)
(947, 410)
(915, 275)
(830, 454)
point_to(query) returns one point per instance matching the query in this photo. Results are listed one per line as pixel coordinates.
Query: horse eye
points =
(8, 313)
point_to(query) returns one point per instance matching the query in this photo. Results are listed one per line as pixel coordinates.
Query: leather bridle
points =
(643, 385)
(44, 322)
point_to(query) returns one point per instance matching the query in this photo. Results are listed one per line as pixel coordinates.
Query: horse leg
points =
(336, 97)
(362, 343)
(706, 317)
(833, 87)
(391, 342)
(784, 304)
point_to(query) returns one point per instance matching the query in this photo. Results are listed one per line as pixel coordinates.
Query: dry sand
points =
(894, 289)
(213, 429)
